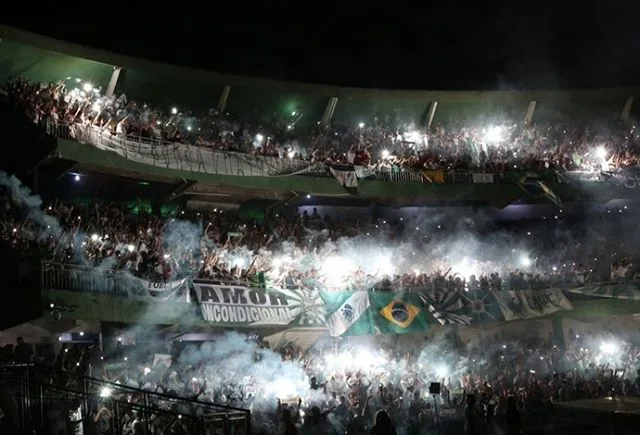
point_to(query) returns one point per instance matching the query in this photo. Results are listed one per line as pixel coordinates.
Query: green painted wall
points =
(109, 308)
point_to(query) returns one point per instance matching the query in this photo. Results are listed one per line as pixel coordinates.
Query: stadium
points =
(192, 252)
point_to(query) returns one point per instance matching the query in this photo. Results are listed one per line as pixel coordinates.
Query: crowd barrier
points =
(39, 392)
(200, 159)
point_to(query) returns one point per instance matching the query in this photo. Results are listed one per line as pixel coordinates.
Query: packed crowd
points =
(293, 250)
(385, 145)
(340, 387)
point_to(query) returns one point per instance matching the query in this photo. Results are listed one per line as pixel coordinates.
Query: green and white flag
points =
(347, 313)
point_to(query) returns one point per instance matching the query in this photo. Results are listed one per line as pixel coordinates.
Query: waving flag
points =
(347, 313)
(346, 176)
(399, 313)
(463, 307)
(535, 186)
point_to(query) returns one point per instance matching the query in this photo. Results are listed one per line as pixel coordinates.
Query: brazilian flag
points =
(398, 313)
(536, 187)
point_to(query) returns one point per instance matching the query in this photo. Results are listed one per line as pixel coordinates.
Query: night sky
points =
(427, 45)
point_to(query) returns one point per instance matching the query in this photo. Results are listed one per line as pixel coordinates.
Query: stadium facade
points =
(75, 302)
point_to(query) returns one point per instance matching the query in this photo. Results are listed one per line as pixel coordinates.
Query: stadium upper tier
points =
(205, 123)
(42, 59)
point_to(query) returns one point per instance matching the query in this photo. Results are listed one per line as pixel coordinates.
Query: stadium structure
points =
(63, 160)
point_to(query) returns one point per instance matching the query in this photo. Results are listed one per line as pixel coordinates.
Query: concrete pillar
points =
(626, 109)
(115, 75)
(431, 113)
(222, 101)
(531, 110)
(329, 111)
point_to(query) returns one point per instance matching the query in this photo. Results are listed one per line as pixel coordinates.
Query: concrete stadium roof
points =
(202, 76)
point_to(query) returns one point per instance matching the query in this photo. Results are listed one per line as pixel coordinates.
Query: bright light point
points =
(131, 248)
(105, 392)
(96, 107)
(442, 372)
(147, 370)
(259, 137)
(291, 154)
(601, 153)
(87, 87)
(174, 111)
(94, 237)
(361, 125)
(385, 154)
(76, 177)
(293, 113)
(525, 261)
(608, 348)
(239, 262)
(494, 134)
(81, 334)
(384, 266)
(308, 196)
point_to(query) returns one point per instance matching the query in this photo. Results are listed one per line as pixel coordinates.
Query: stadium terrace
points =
(144, 306)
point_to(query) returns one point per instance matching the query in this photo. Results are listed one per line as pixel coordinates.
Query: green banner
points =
(629, 290)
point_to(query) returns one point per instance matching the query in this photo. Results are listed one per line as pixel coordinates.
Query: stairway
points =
(38, 400)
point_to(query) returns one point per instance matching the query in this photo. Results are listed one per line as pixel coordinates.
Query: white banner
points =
(229, 305)
(363, 171)
(184, 157)
(482, 178)
(162, 290)
(345, 178)
(526, 304)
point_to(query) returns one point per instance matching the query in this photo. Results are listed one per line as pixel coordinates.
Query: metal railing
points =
(178, 156)
(38, 390)
(201, 159)
(56, 276)
(76, 278)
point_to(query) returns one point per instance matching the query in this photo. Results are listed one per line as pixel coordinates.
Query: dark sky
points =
(389, 44)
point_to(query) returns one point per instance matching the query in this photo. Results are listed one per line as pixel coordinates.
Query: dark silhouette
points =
(383, 425)
(514, 422)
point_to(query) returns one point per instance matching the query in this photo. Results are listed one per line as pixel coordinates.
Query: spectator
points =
(514, 422)
(383, 424)
(23, 351)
